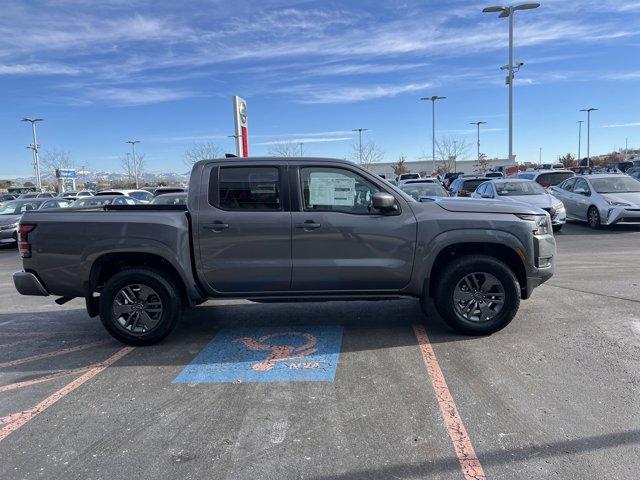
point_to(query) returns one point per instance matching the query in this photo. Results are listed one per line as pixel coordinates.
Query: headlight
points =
(542, 223)
(10, 227)
(558, 206)
(618, 204)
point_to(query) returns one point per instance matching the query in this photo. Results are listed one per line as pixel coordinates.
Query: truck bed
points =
(67, 243)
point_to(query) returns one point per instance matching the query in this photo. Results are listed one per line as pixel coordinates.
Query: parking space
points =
(359, 390)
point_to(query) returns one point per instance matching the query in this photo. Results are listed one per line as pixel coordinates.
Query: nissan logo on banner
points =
(242, 126)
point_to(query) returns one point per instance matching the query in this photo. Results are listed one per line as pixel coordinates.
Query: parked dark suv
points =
(465, 186)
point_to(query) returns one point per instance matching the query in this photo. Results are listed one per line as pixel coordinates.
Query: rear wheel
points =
(593, 218)
(139, 306)
(477, 295)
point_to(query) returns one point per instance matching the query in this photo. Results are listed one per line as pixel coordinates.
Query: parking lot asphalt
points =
(554, 395)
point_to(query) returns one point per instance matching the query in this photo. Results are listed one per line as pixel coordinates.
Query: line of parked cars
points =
(12, 207)
(599, 198)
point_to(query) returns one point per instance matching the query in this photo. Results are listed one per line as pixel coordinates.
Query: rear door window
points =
(249, 188)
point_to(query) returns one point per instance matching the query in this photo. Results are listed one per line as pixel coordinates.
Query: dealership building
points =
(425, 167)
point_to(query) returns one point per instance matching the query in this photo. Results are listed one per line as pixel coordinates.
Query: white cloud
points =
(136, 96)
(306, 140)
(622, 125)
(313, 94)
(38, 69)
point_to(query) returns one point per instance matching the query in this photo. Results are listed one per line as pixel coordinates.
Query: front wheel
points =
(477, 295)
(593, 218)
(139, 306)
(557, 228)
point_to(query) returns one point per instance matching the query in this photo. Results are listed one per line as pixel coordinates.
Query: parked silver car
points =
(524, 191)
(601, 199)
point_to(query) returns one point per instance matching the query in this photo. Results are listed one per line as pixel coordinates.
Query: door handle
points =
(216, 226)
(308, 225)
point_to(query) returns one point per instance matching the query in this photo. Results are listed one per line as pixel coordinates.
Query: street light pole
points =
(540, 157)
(35, 147)
(301, 145)
(478, 125)
(589, 110)
(360, 130)
(433, 127)
(135, 163)
(510, 11)
(580, 122)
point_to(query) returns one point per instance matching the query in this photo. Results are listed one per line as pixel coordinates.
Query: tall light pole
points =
(540, 156)
(360, 130)
(135, 163)
(580, 122)
(433, 99)
(509, 12)
(301, 145)
(477, 124)
(589, 110)
(35, 147)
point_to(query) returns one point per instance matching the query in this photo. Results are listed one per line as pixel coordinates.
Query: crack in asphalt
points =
(593, 293)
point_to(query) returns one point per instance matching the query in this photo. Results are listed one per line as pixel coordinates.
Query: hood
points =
(9, 219)
(540, 201)
(631, 197)
(475, 205)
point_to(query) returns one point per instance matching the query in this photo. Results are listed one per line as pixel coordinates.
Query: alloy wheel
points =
(479, 297)
(137, 308)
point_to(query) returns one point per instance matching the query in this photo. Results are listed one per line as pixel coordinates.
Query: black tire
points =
(454, 274)
(593, 218)
(164, 293)
(557, 228)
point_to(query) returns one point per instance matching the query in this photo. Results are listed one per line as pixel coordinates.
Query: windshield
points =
(472, 184)
(553, 179)
(170, 200)
(514, 189)
(417, 190)
(92, 202)
(17, 208)
(615, 185)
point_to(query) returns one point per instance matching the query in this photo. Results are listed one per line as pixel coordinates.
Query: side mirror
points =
(581, 191)
(487, 195)
(384, 202)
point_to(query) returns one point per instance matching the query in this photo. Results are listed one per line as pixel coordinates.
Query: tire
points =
(486, 271)
(557, 228)
(593, 218)
(133, 294)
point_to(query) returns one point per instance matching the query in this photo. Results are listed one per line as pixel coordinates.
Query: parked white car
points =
(524, 191)
(140, 195)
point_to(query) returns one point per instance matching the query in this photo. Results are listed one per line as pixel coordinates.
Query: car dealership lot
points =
(555, 394)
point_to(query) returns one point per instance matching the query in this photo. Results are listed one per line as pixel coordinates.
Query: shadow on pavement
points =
(498, 457)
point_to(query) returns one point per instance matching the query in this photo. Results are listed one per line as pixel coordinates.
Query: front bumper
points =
(544, 247)
(613, 215)
(28, 284)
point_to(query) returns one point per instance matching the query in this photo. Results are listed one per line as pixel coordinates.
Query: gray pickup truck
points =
(285, 229)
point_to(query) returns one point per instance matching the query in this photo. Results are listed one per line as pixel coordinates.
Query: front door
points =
(340, 243)
(243, 227)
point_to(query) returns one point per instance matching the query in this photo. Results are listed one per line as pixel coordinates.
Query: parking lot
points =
(378, 390)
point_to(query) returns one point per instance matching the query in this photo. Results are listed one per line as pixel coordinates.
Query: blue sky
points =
(164, 73)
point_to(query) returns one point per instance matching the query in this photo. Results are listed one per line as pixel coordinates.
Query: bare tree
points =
(399, 167)
(284, 149)
(483, 163)
(201, 151)
(371, 153)
(569, 161)
(449, 150)
(55, 159)
(133, 168)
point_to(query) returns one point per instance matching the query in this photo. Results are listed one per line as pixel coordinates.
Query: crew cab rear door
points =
(339, 242)
(242, 227)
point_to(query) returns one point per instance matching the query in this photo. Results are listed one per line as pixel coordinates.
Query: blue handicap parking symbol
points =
(268, 354)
